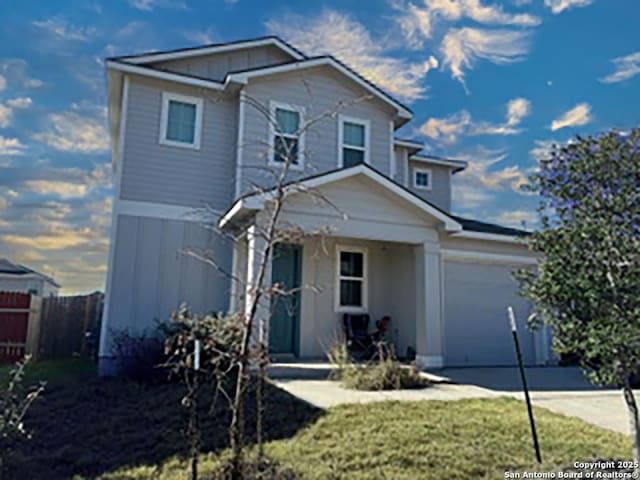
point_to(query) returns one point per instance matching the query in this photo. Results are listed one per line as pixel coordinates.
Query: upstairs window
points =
(285, 135)
(354, 141)
(351, 294)
(422, 178)
(181, 120)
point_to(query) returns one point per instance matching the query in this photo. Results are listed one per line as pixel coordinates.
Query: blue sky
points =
(492, 82)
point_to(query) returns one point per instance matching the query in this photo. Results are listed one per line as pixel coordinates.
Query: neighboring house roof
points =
(457, 165)
(10, 268)
(188, 52)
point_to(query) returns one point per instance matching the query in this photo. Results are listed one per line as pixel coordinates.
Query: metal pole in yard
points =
(532, 422)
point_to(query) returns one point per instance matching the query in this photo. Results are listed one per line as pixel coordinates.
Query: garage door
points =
(476, 329)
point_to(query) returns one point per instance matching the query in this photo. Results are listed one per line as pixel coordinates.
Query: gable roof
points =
(243, 76)
(486, 227)
(139, 64)
(256, 201)
(456, 165)
(10, 268)
(188, 52)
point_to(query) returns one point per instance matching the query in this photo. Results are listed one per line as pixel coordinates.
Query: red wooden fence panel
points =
(14, 322)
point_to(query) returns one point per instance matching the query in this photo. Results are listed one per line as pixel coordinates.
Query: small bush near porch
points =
(119, 429)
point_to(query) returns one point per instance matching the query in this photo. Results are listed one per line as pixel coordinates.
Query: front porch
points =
(378, 253)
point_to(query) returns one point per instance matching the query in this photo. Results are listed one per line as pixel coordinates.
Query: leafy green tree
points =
(587, 283)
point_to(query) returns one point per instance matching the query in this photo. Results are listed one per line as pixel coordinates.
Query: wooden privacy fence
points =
(70, 325)
(19, 325)
(51, 327)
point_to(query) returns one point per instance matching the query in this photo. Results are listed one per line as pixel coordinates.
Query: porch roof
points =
(251, 203)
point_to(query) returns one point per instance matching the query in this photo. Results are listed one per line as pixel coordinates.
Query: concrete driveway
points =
(560, 389)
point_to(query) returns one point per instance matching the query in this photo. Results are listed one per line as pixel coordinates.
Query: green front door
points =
(284, 326)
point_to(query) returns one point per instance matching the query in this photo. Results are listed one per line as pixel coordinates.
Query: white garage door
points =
(476, 328)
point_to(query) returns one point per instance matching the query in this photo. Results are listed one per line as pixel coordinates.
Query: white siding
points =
(216, 66)
(388, 294)
(164, 174)
(440, 193)
(320, 91)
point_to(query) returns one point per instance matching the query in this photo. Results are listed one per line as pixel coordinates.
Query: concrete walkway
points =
(562, 390)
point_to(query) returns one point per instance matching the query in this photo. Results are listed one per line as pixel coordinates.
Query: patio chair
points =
(356, 333)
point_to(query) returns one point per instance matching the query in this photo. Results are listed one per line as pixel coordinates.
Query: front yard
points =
(118, 429)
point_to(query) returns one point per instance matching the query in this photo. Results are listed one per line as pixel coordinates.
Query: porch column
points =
(238, 275)
(255, 248)
(429, 341)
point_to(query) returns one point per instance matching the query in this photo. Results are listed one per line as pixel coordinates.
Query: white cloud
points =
(61, 29)
(6, 111)
(416, 21)
(15, 72)
(201, 37)
(517, 218)
(20, 102)
(542, 149)
(11, 146)
(150, 5)
(578, 115)
(6, 114)
(477, 184)
(559, 6)
(3, 83)
(71, 131)
(348, 40)
(517, 110)
(64, 190)
(626, 68)
(462, 47)
(448, 129)
(57, 238)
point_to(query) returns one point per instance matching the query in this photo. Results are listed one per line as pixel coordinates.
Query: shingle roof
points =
(485, 227)
(11, 268)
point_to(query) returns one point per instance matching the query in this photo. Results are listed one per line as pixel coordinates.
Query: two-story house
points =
(199, 128)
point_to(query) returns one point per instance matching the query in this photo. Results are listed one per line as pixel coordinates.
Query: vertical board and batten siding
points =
(320, 324)
(440, 193)
(216, 66)
(153, 274)
(158, 173)
(319, 91)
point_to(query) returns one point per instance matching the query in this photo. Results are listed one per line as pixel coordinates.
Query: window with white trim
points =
(181, 120)
(351, 281)
(354, 141)
(422, 178)
(285, 137)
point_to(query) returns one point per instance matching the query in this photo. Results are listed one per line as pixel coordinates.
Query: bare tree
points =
(271, 230)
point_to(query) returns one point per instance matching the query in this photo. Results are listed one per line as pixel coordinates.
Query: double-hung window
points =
(351, 281)
(287, 143)
(422, 178)
(181, 120)
(354, 141)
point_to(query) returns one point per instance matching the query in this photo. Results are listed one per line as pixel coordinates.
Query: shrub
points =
(220, 338)
(139, 357)
(384, 373)
(15, 401)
